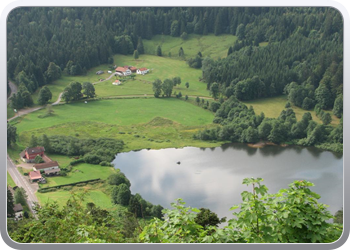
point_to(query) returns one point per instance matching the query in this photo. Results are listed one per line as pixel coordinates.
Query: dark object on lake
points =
(178, 162)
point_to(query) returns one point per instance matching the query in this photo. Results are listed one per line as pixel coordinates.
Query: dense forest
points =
(279, 50)
(304, 59)
(304, 43)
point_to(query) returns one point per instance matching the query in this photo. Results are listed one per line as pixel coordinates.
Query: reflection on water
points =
(212, 177)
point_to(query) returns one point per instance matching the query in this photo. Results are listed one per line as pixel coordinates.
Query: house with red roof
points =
(123, 71)
(29, 154)
(34, 176)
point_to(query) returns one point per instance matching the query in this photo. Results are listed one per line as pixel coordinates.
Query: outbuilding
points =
(142, 71)
(52, 165)
(34, 176)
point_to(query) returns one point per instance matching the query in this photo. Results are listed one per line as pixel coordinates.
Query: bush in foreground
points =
(292, 215)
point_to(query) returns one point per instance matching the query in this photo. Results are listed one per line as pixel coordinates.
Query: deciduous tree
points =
(44, 95)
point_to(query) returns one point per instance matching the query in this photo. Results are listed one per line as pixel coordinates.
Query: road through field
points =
(21, 181)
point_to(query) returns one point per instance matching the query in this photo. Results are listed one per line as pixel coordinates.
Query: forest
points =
(292, 51)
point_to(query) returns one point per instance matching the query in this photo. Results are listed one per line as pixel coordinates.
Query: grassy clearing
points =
(160, 67)
(95, 194)
(210, 45)
(119, 113)
(81, 172)
(272, 107)
(140, 123)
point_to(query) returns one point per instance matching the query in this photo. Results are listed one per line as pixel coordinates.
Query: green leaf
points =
(234, 207)
(196, 210)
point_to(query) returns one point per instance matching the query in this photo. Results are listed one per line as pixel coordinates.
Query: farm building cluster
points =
(48, 167)
(126, 71)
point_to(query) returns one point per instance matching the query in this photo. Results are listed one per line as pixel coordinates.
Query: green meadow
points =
(160, 68)
(209, 45)
(272, 107)
(119, 112)
(97, 196)
(81, 172)
(139, 122)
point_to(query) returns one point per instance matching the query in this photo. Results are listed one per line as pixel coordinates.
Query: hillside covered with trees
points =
(291, 51)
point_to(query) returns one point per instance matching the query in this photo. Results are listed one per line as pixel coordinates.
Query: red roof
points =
(35, 150)
(121, 69)
(143, 69)
(34, 175)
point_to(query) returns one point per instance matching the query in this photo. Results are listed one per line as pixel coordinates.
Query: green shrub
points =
(75, 162)
(105, 163)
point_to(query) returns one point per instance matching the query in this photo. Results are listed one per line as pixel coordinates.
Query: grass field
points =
(210, 45)
(81, 172)
(160, 68)
(272, 107)
(119, 113)
(100, 198)
(140, 123)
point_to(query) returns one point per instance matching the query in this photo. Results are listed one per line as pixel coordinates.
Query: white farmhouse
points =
(142, 71)
(123, 71)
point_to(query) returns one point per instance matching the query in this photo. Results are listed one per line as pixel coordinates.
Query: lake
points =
(212, 177)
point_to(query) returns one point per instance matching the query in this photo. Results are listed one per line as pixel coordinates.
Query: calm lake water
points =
(212, 177)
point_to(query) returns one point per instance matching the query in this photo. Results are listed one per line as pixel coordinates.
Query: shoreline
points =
(262, 144)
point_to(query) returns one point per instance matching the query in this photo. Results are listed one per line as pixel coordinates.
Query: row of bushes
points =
(79, 184)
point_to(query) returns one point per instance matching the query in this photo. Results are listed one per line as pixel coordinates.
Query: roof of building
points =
(121, 69)
(142, 69)
(133, 68)
(22, 154)
(17, 207)
(35, 150)
(46, 165)
(34, 175)
(55, 170)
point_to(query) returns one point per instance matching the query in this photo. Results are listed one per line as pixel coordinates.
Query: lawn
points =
(81, 172)
(272, 107)
(61, 196)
